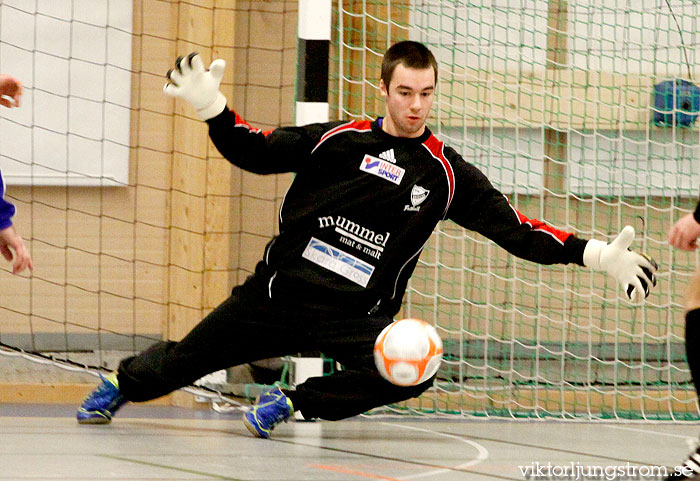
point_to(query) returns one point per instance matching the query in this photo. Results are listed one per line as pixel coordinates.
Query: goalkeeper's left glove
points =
(190, 81)
(635, 272)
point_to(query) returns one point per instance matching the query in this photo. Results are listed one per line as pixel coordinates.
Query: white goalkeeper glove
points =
(191, 82)
(635, 272)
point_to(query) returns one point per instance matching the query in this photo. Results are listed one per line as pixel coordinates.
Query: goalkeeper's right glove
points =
(635, 272)
(189, 81)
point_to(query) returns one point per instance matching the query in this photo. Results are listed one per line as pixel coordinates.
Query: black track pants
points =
(247, 327)
(692, 345)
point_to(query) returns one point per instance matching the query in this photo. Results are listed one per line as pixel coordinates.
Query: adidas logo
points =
(388, 155)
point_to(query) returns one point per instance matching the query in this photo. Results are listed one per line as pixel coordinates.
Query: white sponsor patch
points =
(338, 261)
(382, 168)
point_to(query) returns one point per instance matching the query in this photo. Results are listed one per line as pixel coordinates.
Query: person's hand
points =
(191, 82)
(11, 241)
(10, 91)
(635, 272)
(684, 233)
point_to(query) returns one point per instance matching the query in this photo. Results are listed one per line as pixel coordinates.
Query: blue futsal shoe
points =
(102, 403)
(270, 409)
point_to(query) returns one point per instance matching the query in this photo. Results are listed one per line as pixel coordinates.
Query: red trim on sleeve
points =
(240, 122)
(353, 125)
(560, 235)
(435, 147)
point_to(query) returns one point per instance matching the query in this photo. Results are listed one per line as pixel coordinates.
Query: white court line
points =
(482, 456)
(647, 431)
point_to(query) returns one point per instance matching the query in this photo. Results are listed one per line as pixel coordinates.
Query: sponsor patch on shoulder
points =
(335, 260)
(382, 168)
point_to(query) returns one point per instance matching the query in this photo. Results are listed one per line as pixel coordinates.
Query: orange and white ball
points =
(408, 352)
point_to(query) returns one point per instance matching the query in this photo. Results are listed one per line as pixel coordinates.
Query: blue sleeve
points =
(7, 210)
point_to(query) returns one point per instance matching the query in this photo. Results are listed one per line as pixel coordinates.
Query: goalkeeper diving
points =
(365, 200)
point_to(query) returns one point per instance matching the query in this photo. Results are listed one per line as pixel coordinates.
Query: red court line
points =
(339, 469)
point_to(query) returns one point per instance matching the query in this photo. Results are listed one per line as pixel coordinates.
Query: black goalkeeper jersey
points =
(364, 203)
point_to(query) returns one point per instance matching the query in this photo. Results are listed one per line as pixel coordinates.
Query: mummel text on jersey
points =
(363, 204)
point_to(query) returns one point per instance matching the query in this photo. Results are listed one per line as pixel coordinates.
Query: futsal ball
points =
(408, 352)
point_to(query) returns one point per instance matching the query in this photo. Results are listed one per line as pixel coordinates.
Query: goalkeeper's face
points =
(409, 98)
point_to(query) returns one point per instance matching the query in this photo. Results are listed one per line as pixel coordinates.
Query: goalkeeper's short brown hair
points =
(411, 55)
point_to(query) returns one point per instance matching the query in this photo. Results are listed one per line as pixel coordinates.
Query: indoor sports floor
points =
(44, 442)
